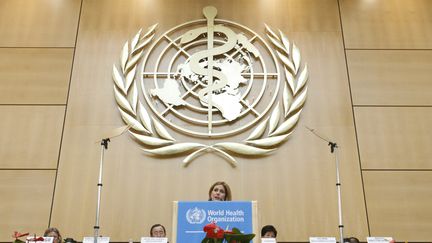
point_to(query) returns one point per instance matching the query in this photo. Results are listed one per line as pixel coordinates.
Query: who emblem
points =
(210, 79)
(195, 215)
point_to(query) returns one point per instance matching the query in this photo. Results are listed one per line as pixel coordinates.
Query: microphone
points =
(332, 145)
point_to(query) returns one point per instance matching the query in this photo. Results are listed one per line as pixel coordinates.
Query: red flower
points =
(17, 235)
(214, 231)
(40, 238)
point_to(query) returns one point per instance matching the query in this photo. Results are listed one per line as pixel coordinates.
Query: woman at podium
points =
(220, 191)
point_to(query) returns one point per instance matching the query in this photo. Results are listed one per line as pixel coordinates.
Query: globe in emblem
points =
(210, 77)
(195, 215)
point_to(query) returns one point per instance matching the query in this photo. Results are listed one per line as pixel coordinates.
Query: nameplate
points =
(91, 239)
(153, 240)
(46, 239)
(268, 240)
(379, 239)
(322, 239)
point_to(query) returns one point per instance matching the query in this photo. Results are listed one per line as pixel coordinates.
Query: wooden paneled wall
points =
(37, 47)
(370, 89)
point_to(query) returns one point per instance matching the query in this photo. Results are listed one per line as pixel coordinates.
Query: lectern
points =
(190, 217)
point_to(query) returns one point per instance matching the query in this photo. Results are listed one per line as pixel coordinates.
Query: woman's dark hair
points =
(268, 228)
(351, 240)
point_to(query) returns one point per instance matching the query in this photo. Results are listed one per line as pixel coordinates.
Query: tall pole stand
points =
(104, 146)
(334, 149)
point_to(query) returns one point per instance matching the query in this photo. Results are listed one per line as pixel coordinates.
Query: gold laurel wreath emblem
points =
(269, 133)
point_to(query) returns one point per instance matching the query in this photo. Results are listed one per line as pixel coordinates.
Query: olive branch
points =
(293, 96)
(151, 133)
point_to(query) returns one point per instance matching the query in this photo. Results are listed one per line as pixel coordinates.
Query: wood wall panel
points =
(394, 137)
(398, 204)
(387, 24)
(26, 201)
(38, 23)
(294, 186)
(30, 136)
(287, 184)
(390, 77)
(34, 76)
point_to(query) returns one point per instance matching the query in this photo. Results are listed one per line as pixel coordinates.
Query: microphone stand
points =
(104, 146)
(334, 149)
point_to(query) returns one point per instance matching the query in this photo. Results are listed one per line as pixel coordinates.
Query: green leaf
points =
(211, 240)
(239, 237)
(236, 231)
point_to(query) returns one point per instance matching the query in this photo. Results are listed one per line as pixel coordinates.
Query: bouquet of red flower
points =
(215, 234)
(35, 239)
(18, 235)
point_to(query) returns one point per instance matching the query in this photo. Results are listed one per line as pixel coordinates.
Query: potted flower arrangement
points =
(215, 234)
(18, 235)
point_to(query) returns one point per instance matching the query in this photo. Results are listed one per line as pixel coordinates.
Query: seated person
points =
(351, 240)
(158, 231)
(55, 233)
(268, 231)
(220, 191)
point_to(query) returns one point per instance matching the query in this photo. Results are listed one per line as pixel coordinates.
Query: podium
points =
(190, 217)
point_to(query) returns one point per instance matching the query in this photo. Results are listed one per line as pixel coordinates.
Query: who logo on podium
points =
(195, 215)
(210, 79)
(190, 218)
